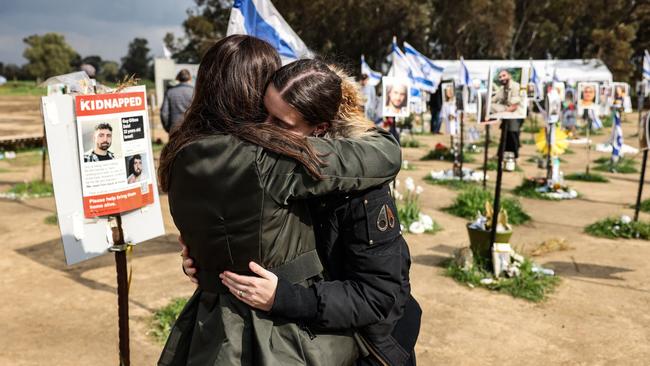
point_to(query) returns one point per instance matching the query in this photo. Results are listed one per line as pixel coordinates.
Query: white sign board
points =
(87, 237)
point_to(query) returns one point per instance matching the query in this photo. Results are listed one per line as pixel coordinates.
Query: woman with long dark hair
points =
(235, 187)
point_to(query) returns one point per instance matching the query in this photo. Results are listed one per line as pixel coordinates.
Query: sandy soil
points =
(55, 314)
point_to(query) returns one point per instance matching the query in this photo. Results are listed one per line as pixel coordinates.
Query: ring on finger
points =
(241, 293)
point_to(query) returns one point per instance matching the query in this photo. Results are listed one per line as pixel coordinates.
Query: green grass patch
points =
(528, 142)
(528, 189)
(455, 184)
(644, 206)
(22, 88)
(33, 188)
(4, 170)
(51, 220)
(410, 142)
(472, 200)
(528, 285)
(164, 318)
(584, 177)
(447, 155)
(623, 166)
(492, 165)
(613, 228)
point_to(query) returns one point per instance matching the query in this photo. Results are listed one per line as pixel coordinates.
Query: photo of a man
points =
(102, 141)
(395, 97)
(135, 169)
(507, 98)
(588, 96)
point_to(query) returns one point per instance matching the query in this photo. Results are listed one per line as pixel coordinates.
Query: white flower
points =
(396, 183)
(405, 164)
(398, 196)
(416, 228)
(426, 221)
(410, 184)
(625, 219)
(419, 190)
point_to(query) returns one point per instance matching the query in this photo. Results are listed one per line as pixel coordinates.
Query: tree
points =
(137, 60)
(48, 55)
(95, 61)
(109, 71)
(472, 28)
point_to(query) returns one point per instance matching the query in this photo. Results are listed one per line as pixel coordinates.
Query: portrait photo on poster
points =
(605, 95)
(102, 140)
(621, 97)
(587, 96)
(644, 132)
(137, 169)
(395, 96)
(508, 92)
(560, 88)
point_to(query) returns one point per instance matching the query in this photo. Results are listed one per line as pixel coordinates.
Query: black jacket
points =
(366, 263)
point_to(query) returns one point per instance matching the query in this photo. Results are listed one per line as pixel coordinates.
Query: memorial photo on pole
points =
(587, 97)
(395, 97)
(508, 92)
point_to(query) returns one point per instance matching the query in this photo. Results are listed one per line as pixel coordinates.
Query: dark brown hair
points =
(228, 98)
(183, 75)
(311, 87)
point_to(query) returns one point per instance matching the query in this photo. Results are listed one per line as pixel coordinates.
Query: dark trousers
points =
(436, 122)
(512, 142)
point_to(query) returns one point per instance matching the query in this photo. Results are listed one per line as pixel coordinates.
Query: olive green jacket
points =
(235, 202)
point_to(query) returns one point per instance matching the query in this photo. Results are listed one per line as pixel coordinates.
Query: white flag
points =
(463, 74)
(259, 18)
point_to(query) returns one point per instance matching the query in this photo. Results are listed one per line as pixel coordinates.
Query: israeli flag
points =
(401, 66)
(259, 18)
(431, 72)
(374, 77)
(463, 74)
(596, 123)
(537, 82)
(646, 65)
(617, 136)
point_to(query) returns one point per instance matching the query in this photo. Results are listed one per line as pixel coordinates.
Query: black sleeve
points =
(294, 301)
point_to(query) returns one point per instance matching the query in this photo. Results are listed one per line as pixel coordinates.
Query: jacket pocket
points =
(381, 217)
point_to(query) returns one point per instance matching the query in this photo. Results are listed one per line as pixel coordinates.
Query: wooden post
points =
(497, 188)
(485, 155)
(589, 121)
(119, 247)
(549, 131)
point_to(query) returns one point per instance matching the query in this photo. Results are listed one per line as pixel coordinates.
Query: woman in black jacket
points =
(358, 238)
(237, 188)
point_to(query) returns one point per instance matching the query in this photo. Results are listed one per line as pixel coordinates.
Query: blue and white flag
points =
(617, 136)
(596, 123)
(463, 74)
(374, 77)
(555, 78)
(646, 65)
(400, 66)
(431, 72)
(259, 18)
(537, 82)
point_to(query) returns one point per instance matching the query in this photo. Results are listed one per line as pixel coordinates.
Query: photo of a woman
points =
(587, 96)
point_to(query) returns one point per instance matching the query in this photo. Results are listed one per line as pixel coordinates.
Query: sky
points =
(91, 27)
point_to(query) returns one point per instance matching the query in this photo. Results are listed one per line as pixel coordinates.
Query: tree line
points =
(613, 30)
(49, 55)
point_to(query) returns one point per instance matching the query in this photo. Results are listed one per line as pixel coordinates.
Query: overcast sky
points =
(91, 27)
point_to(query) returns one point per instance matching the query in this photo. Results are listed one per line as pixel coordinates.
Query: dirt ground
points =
(53, 314)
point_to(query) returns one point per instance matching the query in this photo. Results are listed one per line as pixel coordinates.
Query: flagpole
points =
(639, 194)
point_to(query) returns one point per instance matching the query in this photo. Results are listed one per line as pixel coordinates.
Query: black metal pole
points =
(640, 106)
(44, 157)
(485, 155)
(497, 188)
(641, 181)
(588, 144)
(119, 247)
(462, 143)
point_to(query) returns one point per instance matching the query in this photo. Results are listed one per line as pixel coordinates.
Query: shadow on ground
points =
(50, 254)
